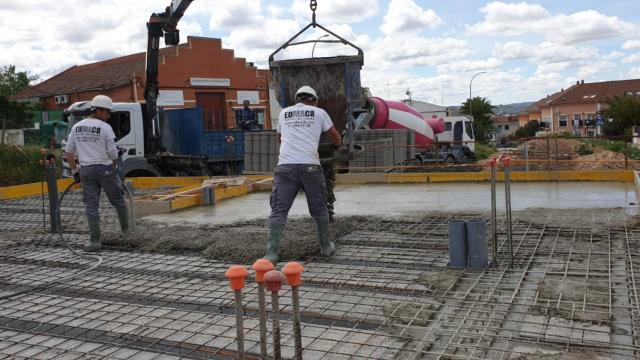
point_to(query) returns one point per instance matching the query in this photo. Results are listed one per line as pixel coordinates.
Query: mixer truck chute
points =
(452, 135)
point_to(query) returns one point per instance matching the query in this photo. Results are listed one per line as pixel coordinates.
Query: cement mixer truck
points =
(444, 139)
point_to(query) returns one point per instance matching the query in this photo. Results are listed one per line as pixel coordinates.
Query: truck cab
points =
(127, 123)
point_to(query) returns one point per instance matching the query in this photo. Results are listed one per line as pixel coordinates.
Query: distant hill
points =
(514, 108)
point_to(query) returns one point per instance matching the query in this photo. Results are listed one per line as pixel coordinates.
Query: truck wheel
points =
(450, 160)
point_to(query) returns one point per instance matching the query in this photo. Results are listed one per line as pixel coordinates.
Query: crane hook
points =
(313, 4)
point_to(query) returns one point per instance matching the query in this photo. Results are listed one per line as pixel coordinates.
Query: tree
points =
(13, 114)
(482, 111)
(12, 82)
(529, 130)
(624, 112)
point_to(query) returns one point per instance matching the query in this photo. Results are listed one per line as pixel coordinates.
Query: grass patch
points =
(20, 164)
(483, 151)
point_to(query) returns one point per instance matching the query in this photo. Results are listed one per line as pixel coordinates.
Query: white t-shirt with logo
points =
(300, 127)
(94, 142)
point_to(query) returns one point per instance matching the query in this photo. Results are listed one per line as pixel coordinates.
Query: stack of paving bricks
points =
(383, 148)
(261, 151)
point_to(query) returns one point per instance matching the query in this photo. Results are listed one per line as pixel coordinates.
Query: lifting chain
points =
(313, 5)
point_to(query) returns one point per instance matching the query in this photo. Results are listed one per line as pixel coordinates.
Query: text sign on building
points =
(252, 96)
(196, 81)
(170, 98)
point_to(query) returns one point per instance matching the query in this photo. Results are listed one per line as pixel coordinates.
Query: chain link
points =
(313, 5)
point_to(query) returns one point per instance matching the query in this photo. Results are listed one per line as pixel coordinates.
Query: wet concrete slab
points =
(410, 199)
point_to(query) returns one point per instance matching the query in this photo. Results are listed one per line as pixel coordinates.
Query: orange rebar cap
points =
(261, 266)
(236, 275)
(292, 271)
(506, 160)
(273, 279)
(492, 162)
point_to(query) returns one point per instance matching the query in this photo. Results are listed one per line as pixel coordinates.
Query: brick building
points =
(197, 73)
(575, 109)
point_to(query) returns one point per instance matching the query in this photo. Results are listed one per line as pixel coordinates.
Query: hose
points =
(93, 257)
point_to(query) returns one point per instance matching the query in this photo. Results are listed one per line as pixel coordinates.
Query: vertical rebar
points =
(626, 152)
(52, 185)
(507, 196)
(262, 266)
(297, 333)
(494, 220)
(526, 156)
(548, 154)
(263, 321)
(556, 153)
(273, 279)
(292, 271)
(239, 324)
(275, 321)
(236, 275)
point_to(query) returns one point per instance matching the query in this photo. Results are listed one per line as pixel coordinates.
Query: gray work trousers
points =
(288, 179)
(100, 177)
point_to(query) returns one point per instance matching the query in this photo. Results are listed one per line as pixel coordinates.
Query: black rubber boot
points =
(327, 246)
(94, 234)
(273, 243)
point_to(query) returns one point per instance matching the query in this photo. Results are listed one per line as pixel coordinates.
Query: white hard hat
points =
(306, 90)
(102, 101)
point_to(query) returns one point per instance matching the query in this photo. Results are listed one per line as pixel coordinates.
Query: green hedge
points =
(20, 164)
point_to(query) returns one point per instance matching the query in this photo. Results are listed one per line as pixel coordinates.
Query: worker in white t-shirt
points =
(299, 130)
(93, 141)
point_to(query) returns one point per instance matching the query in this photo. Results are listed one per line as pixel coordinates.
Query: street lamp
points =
(314, 44)
(470, 98)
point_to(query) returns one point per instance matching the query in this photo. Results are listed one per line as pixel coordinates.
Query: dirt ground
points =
(565, 153)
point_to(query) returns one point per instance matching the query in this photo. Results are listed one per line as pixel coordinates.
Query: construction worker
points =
(93, 140)
(299, 130)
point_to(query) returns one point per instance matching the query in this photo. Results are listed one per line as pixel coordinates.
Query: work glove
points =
(76, 176)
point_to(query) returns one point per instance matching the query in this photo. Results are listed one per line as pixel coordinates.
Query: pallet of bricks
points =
(261, 150)
(383, 149)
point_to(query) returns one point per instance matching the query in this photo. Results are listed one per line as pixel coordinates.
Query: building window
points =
(120, 122)
(447, 126)
(506, 127)
(563, 120)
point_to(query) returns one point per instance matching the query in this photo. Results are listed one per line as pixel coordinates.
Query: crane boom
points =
(160, 25)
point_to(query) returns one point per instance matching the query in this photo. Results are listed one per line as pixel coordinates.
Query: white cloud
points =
(414, 51)
(335, 11)
(471, 65)
(631, 45)
(503, 19)
(632, 58)
(635, 72)
(545, 52)
(229, 15)
(594, 70)
(405, 16)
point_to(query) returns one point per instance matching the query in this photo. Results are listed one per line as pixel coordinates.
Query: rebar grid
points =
(572, 289)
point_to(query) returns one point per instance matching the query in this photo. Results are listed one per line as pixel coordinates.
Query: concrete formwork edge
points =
(601, 175)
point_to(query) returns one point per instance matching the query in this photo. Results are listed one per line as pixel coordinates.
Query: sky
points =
(430, 48)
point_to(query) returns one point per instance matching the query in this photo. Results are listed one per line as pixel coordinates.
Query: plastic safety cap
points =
(307, 90)
(492, 162)
(102, 101)
(273, 279)
(506, 161)
(261, 266)
(292, 271)
(236, 275)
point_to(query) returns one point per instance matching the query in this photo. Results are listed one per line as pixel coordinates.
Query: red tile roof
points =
(101, 75)
(598, 92)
